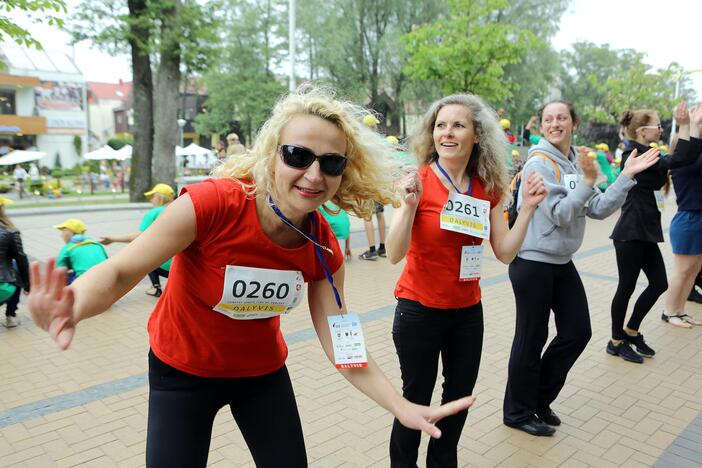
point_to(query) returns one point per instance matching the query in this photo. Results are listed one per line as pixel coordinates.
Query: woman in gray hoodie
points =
(543, 275)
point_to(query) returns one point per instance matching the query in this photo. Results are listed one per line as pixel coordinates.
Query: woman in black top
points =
(638, 229)
(14, 267)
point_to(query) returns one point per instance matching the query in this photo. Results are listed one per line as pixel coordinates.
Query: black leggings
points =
(534, 381)
(632, 258)
(182, 408)
(422, 334)
(154, 277)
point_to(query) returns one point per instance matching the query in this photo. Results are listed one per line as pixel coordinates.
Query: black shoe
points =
(549, 417)
(624, 350)
(695, 296)
(641, 347)
(533, 426)
(381, 252)
(369, 255)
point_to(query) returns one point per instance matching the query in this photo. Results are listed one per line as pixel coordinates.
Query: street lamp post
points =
(181, 124)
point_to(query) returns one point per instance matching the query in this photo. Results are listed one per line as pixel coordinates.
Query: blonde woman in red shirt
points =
(253, 236)
(448, 208)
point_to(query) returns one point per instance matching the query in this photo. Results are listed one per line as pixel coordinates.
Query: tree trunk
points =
(166, 132)
(143, 88)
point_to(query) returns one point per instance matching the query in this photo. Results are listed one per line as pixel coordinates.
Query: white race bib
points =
(660, 199)
(466, 215)
(257, 293)
(571, 181)
(347, 341)
(471, 258)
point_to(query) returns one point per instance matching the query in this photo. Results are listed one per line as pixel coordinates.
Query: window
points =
(7, 102)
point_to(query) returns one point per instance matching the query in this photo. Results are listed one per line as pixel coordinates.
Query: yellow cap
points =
(653, 144)
(370, 120)
(505, 124)
(5, 201)
(392, 140)
(515, 152)
(591, 154)
(663, 148)
(73, 224)
(162, 189)
(604, 146)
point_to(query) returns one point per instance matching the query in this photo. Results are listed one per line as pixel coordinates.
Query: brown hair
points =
(571, 109)
(633, 120)
(5, 220)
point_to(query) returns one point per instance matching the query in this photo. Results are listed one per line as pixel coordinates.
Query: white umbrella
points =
(106, 152)
(19, 156)
(124, 152)
(179, 151)
(196, 150)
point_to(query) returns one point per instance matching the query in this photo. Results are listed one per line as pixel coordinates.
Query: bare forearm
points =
(126, 238)
(398, 239)
(508, 246)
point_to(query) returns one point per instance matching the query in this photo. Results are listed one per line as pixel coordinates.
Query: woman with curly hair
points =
(448, 208)
(244, 244)
(543, 275)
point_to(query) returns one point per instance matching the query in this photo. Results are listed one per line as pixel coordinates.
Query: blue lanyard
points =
(317, 247)
(469, 192)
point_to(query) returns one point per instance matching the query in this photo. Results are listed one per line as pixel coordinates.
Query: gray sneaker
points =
(369, 255)
(11, 321)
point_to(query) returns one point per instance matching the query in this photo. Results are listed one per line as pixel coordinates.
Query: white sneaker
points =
(11, 321)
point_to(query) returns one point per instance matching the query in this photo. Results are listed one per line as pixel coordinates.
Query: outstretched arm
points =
(371, 380)
(57, 308)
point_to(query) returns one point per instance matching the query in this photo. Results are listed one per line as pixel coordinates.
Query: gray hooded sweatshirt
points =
(557, 229)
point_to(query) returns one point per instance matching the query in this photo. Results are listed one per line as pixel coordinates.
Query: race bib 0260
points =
(256, 293)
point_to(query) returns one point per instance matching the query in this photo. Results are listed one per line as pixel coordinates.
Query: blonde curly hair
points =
(371, 167)
(487, 161)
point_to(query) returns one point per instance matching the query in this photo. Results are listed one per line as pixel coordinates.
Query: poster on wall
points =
(59, 96)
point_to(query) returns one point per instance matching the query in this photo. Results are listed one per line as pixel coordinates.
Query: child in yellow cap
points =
(159, 196)
(80, 253)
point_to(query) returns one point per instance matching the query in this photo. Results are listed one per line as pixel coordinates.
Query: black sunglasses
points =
(299, 157)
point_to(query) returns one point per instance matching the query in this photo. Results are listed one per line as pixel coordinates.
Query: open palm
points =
(50, 302)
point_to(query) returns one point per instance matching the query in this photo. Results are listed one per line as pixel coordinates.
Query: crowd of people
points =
(238, 248)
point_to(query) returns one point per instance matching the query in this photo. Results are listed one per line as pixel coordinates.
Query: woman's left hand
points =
(533, 190)
(424, 418)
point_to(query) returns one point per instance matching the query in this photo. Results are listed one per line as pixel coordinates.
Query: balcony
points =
(16, 124)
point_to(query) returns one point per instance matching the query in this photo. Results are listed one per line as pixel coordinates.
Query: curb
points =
(49, 210)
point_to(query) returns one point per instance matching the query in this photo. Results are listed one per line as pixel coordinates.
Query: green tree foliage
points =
(37, 11)
(469, 50)
(242, 87)
(603, 82)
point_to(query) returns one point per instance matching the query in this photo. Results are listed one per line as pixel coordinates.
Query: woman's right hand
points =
(696, 115)
(680, 113)
(410, 186)
(51, 302)
(635, 164)
(106, 240)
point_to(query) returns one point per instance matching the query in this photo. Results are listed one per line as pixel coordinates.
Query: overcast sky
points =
(664, 30)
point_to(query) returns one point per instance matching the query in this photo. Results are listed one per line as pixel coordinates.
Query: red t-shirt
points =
(184, 331)
(433, 263)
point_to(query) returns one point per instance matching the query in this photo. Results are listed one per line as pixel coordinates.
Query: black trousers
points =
(154, 276)
(422, 335)
(632, 258)
(182, 408)
(534, 381)
(13, 302)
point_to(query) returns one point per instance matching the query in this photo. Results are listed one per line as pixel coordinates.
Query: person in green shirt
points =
(80, 253)
(159, 196)
(340, 224)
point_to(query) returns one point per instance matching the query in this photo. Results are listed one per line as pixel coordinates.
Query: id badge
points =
(257, 293)
(347, 341)
(660, 199)
(467, 215)
(471, 259)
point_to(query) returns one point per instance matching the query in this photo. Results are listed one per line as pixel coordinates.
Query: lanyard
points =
(317, 247)
(469, 192)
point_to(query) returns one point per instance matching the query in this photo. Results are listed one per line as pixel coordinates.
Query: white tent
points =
(19, 156)
(124, 152)
(106, 152)
(196, 150)
(198, 157)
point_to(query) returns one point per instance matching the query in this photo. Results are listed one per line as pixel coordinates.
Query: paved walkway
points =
(87, 406)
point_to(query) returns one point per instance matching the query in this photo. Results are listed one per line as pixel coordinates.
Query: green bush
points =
(4, 188)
